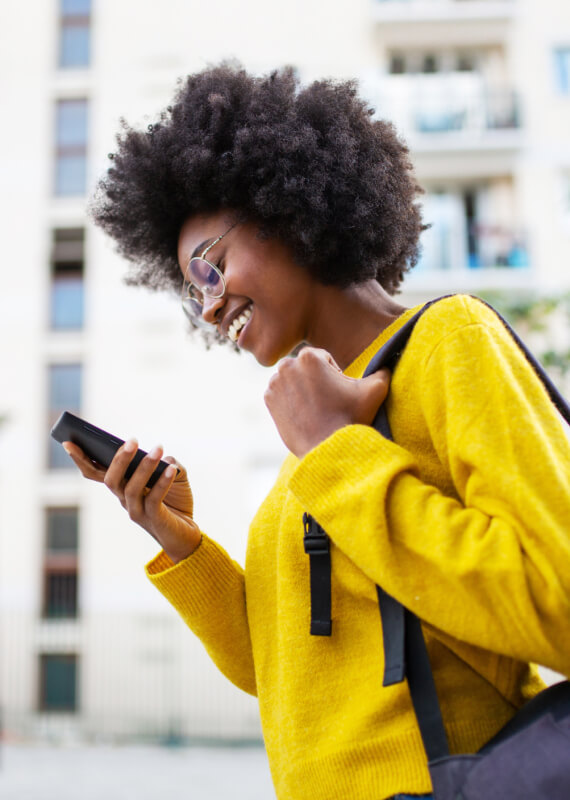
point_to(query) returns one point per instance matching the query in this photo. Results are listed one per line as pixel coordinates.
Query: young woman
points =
(288, 216)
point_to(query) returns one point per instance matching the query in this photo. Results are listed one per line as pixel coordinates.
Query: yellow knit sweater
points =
(461, 520)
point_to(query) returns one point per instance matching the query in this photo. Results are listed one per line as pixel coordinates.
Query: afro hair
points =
(309, 165)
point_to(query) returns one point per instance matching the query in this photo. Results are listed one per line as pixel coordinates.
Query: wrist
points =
(179, 550)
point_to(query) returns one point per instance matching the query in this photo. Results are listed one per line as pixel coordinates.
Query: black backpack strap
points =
(406, 656)
(391, 611)
(422, 690)
(405, 652)
(393, 630)
(318, 548)
(390, 352)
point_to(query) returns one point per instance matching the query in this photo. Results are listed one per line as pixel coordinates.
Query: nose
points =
(211, 308)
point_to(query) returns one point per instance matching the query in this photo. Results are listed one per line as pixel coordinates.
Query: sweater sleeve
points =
(208, 591)
(489, 561)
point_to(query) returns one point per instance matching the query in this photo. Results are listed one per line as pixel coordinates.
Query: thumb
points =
(374, 390)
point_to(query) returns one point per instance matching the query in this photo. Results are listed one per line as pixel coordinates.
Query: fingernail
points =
(170, 471)
(66, 448)
(155, 452)
(130, 446)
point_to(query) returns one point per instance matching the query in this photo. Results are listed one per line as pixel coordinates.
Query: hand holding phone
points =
(98, 445)
(166, 512)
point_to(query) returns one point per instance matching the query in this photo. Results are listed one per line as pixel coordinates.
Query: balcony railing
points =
(470, 253)
(427, 105)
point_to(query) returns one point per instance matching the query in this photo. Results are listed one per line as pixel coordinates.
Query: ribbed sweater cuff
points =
(380, 768)
(199, 581)
(373, 769)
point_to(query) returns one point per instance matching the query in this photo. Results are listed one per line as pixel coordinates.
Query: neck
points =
(346, 321)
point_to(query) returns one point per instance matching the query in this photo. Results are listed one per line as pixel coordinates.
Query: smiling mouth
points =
(235, 328)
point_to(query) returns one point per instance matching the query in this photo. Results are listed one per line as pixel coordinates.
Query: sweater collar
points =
(357, 367)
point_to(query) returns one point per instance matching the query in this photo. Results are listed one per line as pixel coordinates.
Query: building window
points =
(71, 147)
(562, 69)
(465, 62)
(58, 682)
(75, 33)
(430, 63)
(397, 64)
(67, 282)
(61, 574)
(64, 394)
(464, 233)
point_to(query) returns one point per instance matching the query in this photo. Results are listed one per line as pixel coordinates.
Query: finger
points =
(180, 474)
(374, 390)
(115, 475)
(379, 382)
(330, 360)
(88, 468)
(156, 496)
(136, 490)
(317, 357)
(382, 375)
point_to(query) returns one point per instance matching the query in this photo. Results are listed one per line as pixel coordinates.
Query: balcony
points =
(425, 107)
(466, 249)
(448, 113)
(435, 22)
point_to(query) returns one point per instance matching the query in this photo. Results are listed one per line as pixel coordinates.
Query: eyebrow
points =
(201, 247)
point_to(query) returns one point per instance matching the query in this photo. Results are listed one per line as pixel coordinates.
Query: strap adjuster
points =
(315, 540)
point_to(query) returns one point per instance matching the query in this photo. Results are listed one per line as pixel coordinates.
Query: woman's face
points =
(267, 305)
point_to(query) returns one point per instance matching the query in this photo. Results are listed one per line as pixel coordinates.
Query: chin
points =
(265, 360)
(267, 354)
(268, 358)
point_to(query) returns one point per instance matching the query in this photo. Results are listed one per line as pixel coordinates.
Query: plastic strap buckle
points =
(315, 540)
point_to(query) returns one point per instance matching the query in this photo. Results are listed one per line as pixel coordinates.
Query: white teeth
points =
(238, 323)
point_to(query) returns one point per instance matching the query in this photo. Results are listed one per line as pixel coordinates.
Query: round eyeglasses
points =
(202, 279)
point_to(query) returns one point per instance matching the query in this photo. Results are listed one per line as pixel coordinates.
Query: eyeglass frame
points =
(194, 318)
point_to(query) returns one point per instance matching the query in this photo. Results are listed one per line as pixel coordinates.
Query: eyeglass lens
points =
(202, 278)
(205, 277)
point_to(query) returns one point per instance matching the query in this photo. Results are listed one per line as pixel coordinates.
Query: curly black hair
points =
(309, 165)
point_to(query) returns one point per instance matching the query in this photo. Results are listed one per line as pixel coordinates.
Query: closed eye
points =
(212, 278)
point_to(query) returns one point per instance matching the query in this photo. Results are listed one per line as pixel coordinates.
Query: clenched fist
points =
(310, 398)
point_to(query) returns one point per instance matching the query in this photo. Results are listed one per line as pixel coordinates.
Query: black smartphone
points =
(98, 445)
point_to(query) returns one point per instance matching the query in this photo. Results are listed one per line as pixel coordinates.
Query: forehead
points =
(200, 231)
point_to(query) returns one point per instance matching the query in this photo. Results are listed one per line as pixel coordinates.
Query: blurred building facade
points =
(481, 91)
